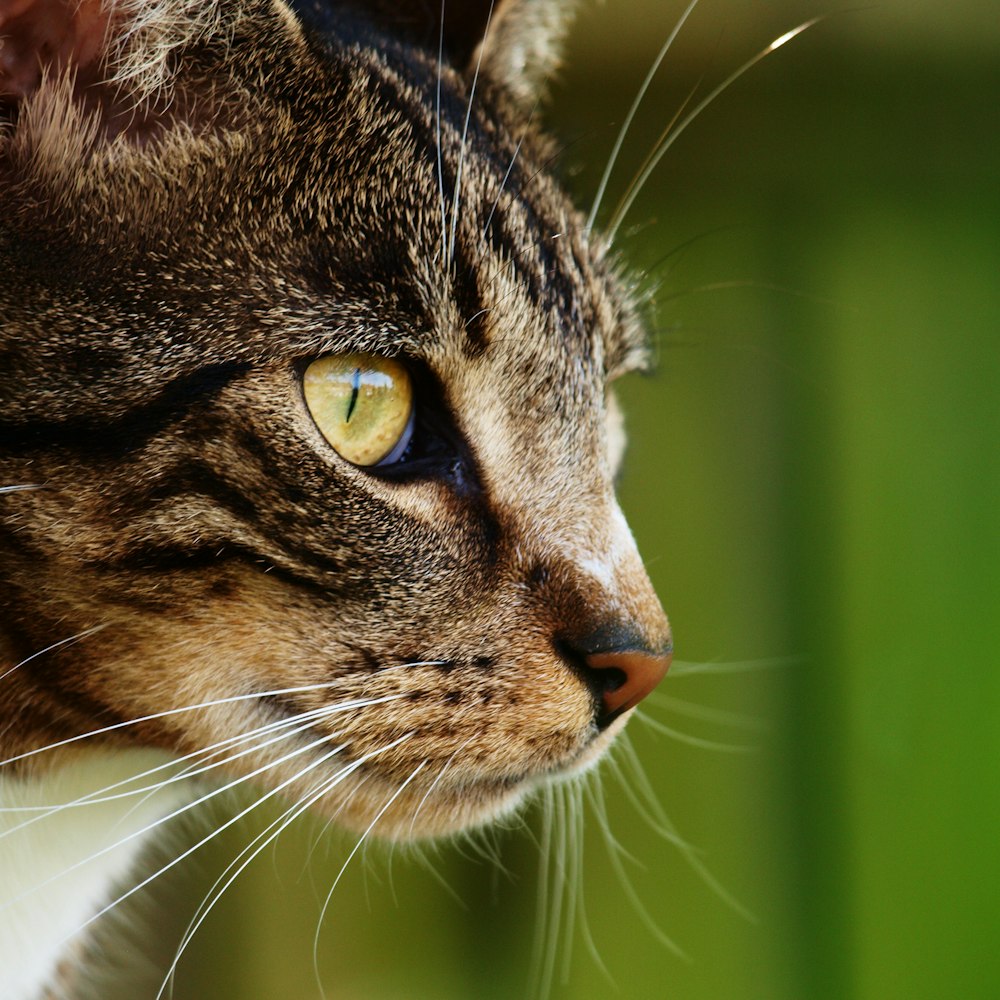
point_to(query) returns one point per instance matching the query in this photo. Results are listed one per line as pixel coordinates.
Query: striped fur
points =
(185, 221)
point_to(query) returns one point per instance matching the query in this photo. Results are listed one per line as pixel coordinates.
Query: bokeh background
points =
(814, 481)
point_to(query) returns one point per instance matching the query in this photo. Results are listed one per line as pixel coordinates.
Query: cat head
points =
(226, 232)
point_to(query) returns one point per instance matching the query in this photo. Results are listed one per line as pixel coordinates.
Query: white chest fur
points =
(59, 866)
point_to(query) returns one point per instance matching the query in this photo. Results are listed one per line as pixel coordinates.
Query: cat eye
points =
(362, 405)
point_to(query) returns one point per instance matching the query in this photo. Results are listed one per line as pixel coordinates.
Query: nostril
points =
(605, 682)
(609, 679)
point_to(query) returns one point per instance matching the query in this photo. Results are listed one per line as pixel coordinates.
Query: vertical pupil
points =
(355, 389)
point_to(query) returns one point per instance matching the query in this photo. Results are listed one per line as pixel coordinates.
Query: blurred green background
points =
(814, 481)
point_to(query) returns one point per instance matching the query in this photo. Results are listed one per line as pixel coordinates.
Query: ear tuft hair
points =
(524, 47)
(112, 56)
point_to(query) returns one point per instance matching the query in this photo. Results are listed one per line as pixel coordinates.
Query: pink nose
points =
(637, 673)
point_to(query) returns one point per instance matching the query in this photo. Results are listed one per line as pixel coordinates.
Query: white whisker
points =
(557, 890)
(735, 284)
(614, 853)
(687, 668)
(565, 888)
(542, 904)
(691, 855)
(645, 801)
(214, 703)
(212, 897)
(434, 783)
(668, 140)
(218, 830)
(421, 854)
(506, 176)
(588, 937)
(48, 649)
(172, 815)
(574, 872)
(520, 253)
(694, 741)
(456, 197)
(364, 836)
(437, 128)
(627, 124)
(100, 796)
(717, 716)
(250, 852)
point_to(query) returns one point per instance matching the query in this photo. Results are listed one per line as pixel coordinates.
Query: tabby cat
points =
(307, 434)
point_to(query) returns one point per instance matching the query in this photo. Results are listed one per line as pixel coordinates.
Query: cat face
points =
(422, 641)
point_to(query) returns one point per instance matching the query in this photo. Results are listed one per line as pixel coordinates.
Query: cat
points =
(308, 434)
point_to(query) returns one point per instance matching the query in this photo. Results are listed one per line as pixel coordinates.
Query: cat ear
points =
(113, 57)
(519, 41)
(46, 37)
(523, 47)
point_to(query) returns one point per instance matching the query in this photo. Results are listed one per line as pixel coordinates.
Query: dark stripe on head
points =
(469, 299)
(54, 673)
(166, 557)
(129, 431)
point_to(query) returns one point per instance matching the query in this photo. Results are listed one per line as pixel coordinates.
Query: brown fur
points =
(177, 237)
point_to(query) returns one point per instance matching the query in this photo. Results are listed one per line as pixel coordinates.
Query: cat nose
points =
(624, 678)
(619, 673)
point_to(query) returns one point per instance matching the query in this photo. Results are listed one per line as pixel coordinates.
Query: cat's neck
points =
(60, 866)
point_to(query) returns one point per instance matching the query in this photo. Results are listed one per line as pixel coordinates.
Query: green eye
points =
(362, 405)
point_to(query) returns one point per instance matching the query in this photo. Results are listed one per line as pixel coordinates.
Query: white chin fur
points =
(58, 870)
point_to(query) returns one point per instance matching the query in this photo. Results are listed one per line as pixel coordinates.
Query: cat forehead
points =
(435, 212)
(360, 198)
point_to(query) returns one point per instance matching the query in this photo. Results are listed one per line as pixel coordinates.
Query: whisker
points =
(506, 176)
(440, 164)
(212, 897)
(55, 645)
(421, 854)
(542, 904)
(456, 198)
(689, 668)
(588, 937)
(666, 141)
(364, 836)
(509, 263)
(166, 819)
(716, 716)
(678, 249)
(18, 487)
(557, 890)
(99, 797)
(694, 741)
(627, 124)
(574, 872)
(434, 783)
(752, 283)
(691, 855)
(571, 877)
(611, 841)
(645, 802)
(215, 833)
(231, 699)
(662, 137)
(614, 851)
(249, 853)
